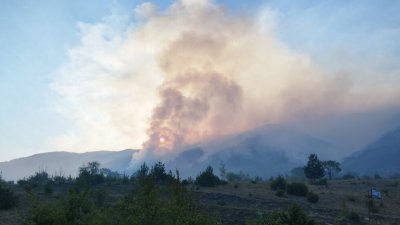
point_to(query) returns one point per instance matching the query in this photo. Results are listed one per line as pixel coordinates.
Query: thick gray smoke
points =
(190, 73)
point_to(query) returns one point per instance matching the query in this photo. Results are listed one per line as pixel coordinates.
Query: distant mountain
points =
(382, 156)
(64, 163)
(265, 151)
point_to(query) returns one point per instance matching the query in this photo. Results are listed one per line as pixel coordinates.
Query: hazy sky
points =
(44, 44)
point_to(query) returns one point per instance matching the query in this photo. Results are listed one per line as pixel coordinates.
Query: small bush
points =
(294, 215)
(278, 183)
(48, 188)
(207, 178)
(100, 196)
(320, 182)
(7, 198)
(354, 217)
(297, 189)
(280, 193)
(28, 188)
(231, 176)
(351, 198)
(312, 197)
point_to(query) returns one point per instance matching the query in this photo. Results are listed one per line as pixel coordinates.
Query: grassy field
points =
(239, 202)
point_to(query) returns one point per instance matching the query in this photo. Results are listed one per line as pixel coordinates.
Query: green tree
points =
(90, 174)
(314, 168)
(332, 168)
(207, 178)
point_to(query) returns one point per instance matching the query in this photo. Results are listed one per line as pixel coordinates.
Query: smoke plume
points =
(189, 73)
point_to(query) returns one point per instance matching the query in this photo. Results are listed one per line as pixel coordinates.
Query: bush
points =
(48, 188)
(353, 216)
(297, 189)
(351, 198)
(207, 178)
(294, 215)
(90, 174)
(319, 182)
(278, 183)
(231, 176)
(7, 198)
(151, 202)
(280, 193)
(158, 172)
(312, 197)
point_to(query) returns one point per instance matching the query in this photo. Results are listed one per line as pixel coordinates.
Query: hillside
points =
(64, 163)
(265, 151)
(382, 156)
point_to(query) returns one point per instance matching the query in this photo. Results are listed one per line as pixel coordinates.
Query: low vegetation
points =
(208, 179)
(278, 183)
(158, 198)
(312, 197)
(8, 199)
(293, 216)
(297, 189)
(153, 195)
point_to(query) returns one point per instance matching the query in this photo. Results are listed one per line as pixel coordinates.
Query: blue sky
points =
(35, 36)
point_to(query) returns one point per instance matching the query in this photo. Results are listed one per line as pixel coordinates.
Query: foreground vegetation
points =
(154, 196)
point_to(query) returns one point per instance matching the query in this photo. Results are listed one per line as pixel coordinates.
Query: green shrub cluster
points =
(293, 216)
(278, 183)
(207, 178)
(312, 197)
(297, 189)
(280, 193)
(8, 199)
(157, 198)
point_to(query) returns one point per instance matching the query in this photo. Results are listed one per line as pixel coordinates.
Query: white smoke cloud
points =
(191, 73)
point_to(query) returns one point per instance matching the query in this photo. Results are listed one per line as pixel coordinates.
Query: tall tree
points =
(314, 168)
(331, 167)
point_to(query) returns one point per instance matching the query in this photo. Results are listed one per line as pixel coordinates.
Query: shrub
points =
(231, 176)
(100, 196)
(158, 172)
(319, 182)
(48, 188)
(353, 216)
(8, 199)
(351, 198)
(377, 176)
(59, 180)
(297, 189)
(294, 215)
(90, 174)
(278, 183)
(207, 178)
(312, 197)
(280, 193)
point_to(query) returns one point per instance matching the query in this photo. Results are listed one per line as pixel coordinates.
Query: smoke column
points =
(190, 73)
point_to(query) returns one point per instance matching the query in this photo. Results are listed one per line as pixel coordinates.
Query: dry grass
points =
(235, 203)
(339, 196)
